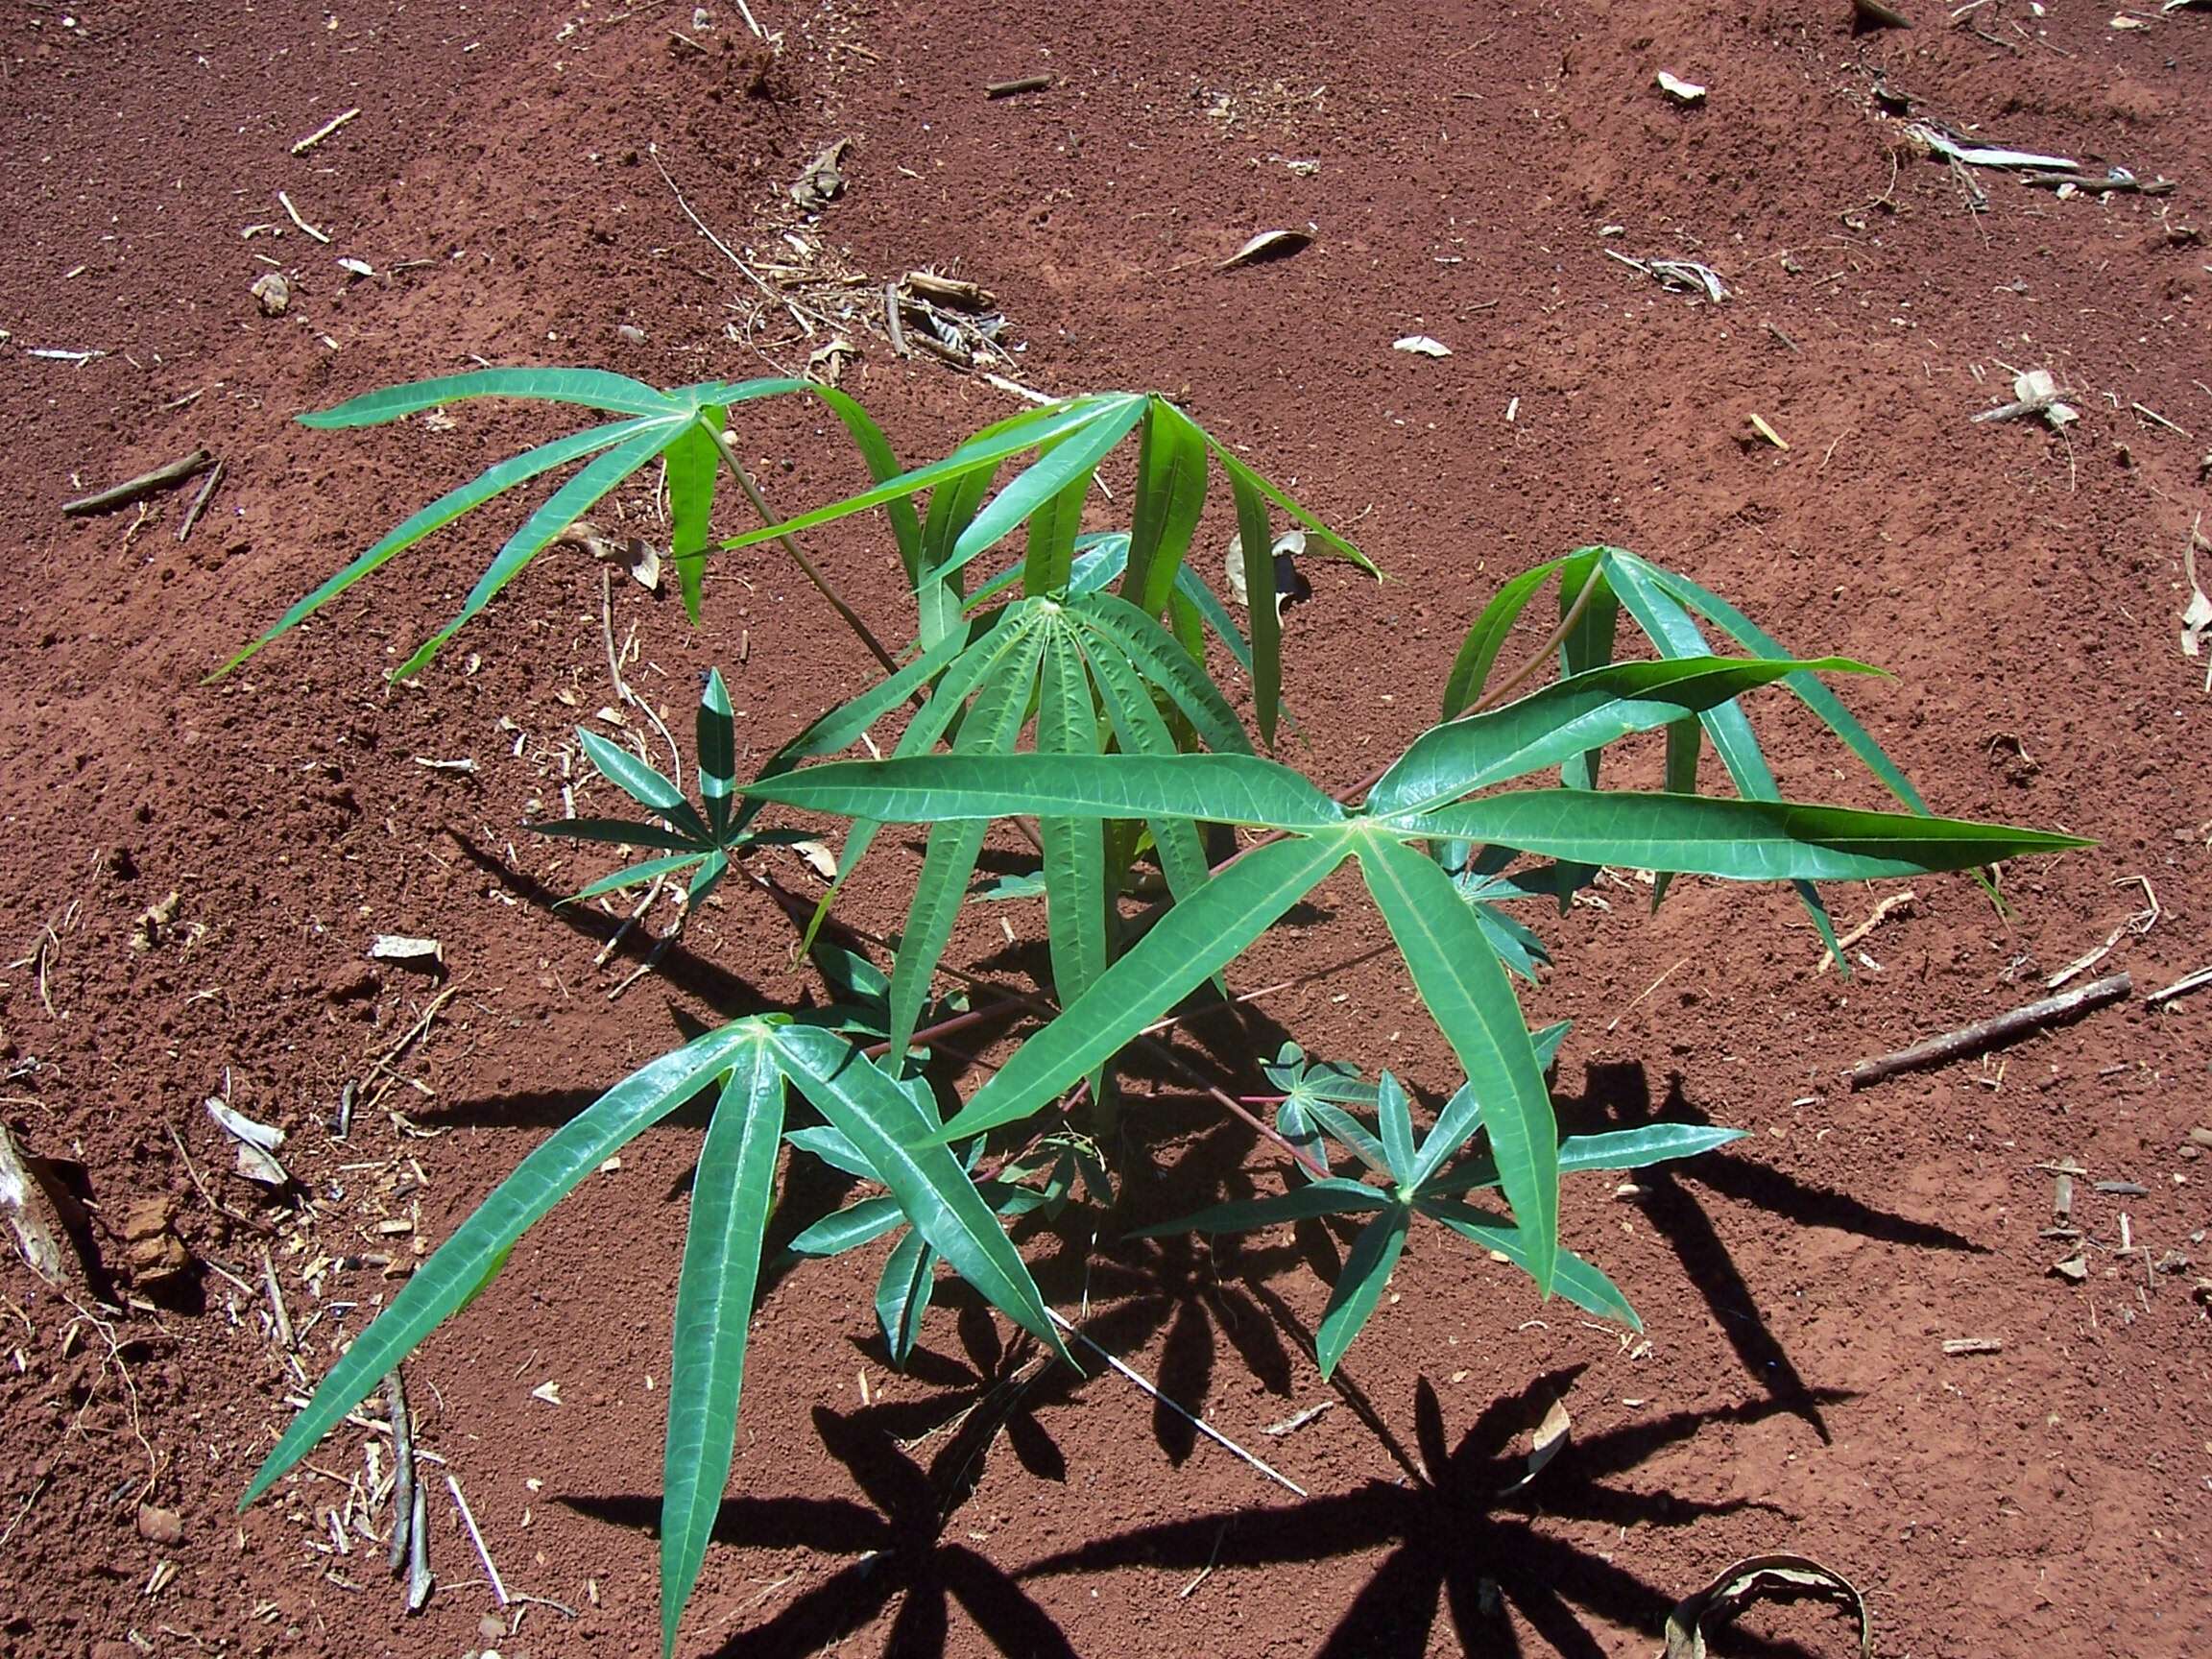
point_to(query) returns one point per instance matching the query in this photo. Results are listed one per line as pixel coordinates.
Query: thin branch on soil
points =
(199, 502)
(2181, 987)
(282, 1320)
(476, 1538)
(293, 213)
(1985, 1034)
(324, 131)
(1198, 1422)
(166, 476)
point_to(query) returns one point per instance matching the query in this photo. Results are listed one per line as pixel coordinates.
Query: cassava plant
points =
(1070, 687)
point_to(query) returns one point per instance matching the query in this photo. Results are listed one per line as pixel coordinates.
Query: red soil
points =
(1794, 1394)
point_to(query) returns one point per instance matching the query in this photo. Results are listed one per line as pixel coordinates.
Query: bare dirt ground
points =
(1466, 172)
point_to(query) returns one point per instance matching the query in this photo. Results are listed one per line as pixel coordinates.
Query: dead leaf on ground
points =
(271, 292)
(1680, 90)
(411, 952)
(1759, 1578)
(1267, 244)
(2197, 614)
(819, 858)
(155, 922)
(826, 363)
(822, 182)
(633, 553)
(1421, 346)
(1550, 1439)
(257, 1143)
(31, 1214)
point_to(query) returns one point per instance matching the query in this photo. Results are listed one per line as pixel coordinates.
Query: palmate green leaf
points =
(494, 481)
(643, 784)
(594, 387)
(458, 1267)
(988, 733)
(941, 788)
(1359, 1288)
(1473, 1003)
(1168, 664)
(1025, 431)
(904, 1292)
(1573, 1278)
(1075, 848)
(732, 1194)
(1188, 945)
(1582, 713)
(1675, 634)
(1063, 467)
(1737, 840)
(1394, 1118)
(927, 1179)
(1256, 536)
(1138, 729)
(566, 504)
(1486, 637)
(1823, 703)
(692, 461)
(1334, 1196)
(1171, 497)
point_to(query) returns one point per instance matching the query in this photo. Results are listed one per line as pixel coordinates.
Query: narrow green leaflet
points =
(1256, 538)
(1582, 713)
(1738, 840)
(1168, 665)
(1615, 1149)
(1138, 729)
(1684, 748)
(634, 875)
(730, 1196)
(1573, 1278)
(1240, 470)
(903, 1295)
(938, 593)
(616, 832)
(1027, 432)
(1473, 1003)
(1586, 645)
(850, 1228)
(692, 461)
(566, 504)
(986, 736)
(1486, 637)
(939, 788)
(1332, 1120)
(1334, 1196)
(643, 784)
(927, 1179)
(717, 751)
(459, 1266)
(1053, 528)
(1075, 848)
(1360, 1286)
(1190, 943)
(1394, 1118)
(1171, 497)
(1067, 464)
(594, 387)
(455, 503)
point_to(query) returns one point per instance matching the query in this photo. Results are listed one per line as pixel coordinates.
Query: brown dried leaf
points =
(1267, 244)
(31, 1214)
(1759, 1578)
(1549, 1441)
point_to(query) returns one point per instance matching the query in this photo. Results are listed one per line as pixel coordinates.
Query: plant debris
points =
(164, 477)
(1290, 583)
(1759, 1578)
(1685, 276)
(31, 1214)
(1548, 1440)
(824, 179)
(257, 1143)
(1421, 346)
(411, 952)
(1687, 93)
(1268, 245)
(633, 553)
(2034, 392)
(1989, 1033)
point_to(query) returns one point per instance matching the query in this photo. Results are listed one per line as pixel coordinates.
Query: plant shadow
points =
(1619, 1096)
(1459, 1531)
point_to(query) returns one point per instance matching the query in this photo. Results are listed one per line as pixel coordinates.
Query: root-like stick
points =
(476, 1538)
(812, 572)
(1984, 1034)
(164, 477)
(403, 1467)
(199, 502)
(1198, 1422)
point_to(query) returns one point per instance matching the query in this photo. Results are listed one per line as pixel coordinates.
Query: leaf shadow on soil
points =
(1460, 1531)
(900, 1539)
(1619, 1096)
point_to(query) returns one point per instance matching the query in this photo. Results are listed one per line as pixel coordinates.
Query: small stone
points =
(271, 292)
(630, 333)
(160, 1526)
(491, 1627)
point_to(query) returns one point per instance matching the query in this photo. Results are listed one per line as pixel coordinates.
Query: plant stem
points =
(798, 553)
(1514, 682)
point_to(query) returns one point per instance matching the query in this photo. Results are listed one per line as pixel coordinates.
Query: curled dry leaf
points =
(257, 1143)
(1550, 1439)
(1267, 244)
(1759, 1578)
(633, 553)
(1421, 346)
(29, 1213)
(1290, 582)
(271, 292)
(822, 181)
(1680, 90)
(2197, 614)
(819, 858)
